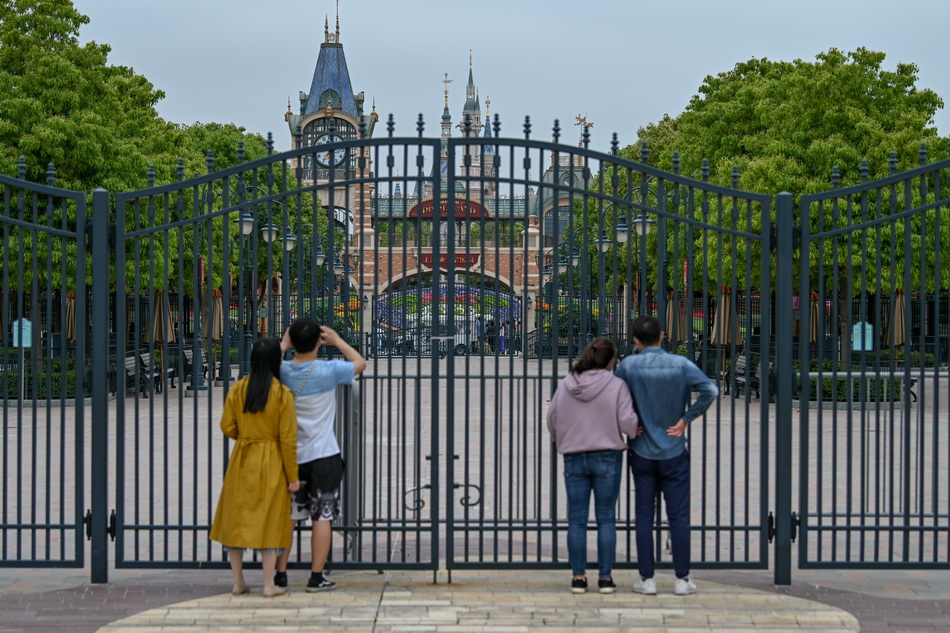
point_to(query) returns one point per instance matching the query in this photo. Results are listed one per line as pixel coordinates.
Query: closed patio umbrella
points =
(895, 325)
(70, 316)
(675, 320)
(813, 315)
(161, 328)
(212, 328)
(725, 328)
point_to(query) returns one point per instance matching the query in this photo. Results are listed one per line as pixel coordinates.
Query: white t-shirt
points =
(315, 402)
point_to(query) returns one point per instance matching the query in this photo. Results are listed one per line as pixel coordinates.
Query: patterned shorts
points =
(319, 494)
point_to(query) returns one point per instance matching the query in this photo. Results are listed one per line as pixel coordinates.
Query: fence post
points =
(100, 253)
(784, 269)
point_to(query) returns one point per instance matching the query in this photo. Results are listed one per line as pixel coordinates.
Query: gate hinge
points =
(112, 525)
(795, 523)
(87, 521)
(771, 528)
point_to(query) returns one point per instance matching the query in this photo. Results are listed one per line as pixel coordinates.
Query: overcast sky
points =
(623, 63)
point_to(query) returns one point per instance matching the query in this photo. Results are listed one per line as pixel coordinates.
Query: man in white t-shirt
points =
(314, 384)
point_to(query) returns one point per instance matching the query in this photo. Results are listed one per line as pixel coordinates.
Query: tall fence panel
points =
(44, 375)
(873, 477)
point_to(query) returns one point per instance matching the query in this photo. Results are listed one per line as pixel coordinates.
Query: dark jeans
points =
(598, 472)
(671, 477)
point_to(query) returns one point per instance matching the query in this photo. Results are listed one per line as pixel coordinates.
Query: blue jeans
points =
(597, 471)
(671, 477)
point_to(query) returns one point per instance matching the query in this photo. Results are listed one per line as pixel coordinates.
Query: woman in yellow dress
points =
(254, 507)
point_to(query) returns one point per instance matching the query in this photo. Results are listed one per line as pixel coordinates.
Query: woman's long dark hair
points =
(597, 355)
(265, 366)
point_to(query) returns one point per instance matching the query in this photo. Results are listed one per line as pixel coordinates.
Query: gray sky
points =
(623, 63)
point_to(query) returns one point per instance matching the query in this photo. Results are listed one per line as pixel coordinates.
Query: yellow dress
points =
(254, 508)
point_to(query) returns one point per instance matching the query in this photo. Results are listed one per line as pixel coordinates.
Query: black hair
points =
(304, 335)
(647, 330)
(265, 366)
(597, 355)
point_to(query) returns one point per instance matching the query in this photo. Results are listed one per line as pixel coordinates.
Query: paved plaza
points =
(152, 601)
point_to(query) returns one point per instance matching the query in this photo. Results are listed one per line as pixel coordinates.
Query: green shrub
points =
(41, 386)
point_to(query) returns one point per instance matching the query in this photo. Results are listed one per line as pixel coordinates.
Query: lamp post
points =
(249, 256)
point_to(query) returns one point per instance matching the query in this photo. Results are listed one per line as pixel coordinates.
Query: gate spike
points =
(835, 177)
(390, 125)
(270, 143)
(557, 130)
(209, 161)
(21, 168)
(585, 136)
(527, 127)
(735, 176)
(496, 126)
(864, 170)
(240, 151)
(676, 161)
(298, 136)
(614, 144)
(644, 153)
(421, 125)
(922, 154)
(363, 128)
(331, 126)
(705, 170)
(467, 125)
(180, 171)
(150, 175)
(50, 174)
(892, 162)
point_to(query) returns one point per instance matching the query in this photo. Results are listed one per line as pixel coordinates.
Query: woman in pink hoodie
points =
(589, 414)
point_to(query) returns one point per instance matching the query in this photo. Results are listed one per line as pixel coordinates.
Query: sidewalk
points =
(489, 601)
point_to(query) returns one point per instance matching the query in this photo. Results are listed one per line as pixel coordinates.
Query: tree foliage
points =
(786, 126)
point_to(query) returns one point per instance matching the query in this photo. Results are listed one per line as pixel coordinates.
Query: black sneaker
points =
(280, 579)
(606, 585)
(314, 586)
(579, 585)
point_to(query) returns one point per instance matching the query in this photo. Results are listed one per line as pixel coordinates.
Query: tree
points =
(786, 125)
(62, 104)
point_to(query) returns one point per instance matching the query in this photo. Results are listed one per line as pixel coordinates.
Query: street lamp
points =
(248, 254)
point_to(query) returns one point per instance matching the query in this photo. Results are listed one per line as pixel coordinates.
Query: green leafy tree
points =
(785, 126)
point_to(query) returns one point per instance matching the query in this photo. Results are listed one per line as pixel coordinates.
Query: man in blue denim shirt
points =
(661, 385)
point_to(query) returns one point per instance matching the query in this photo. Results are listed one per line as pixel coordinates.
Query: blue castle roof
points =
(331, 82)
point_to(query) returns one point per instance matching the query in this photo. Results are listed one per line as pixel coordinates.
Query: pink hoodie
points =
(590, 412)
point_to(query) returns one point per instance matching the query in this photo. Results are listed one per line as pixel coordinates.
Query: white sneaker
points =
(684, 587)
(646, 586)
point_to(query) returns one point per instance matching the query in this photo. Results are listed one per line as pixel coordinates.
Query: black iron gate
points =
(873, 482)
(472, 272)
(44, 376)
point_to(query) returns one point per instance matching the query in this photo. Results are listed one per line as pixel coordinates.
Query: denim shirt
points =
(661, 384)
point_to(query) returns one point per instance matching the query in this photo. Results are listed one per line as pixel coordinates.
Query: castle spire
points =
(337, 21)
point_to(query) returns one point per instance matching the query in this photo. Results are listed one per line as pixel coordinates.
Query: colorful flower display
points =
(402, 308)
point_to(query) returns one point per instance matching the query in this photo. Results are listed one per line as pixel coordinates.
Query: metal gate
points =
(873, 429)
(43, 373)
(471, 272)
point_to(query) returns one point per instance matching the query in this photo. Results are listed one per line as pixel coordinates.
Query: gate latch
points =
(111, 529)
(795, 523)
(771, 528)
(87, 521)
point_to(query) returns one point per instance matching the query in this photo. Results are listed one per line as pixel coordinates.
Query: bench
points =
(753, 381)
(188, 357)
(137, 376)
(737, 373)
(150, 367)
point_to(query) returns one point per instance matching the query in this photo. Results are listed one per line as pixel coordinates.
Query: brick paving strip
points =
(191, 601)
(493, 601)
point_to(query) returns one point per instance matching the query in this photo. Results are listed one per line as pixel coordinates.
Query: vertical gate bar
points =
(783, 391)
(100, 396)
